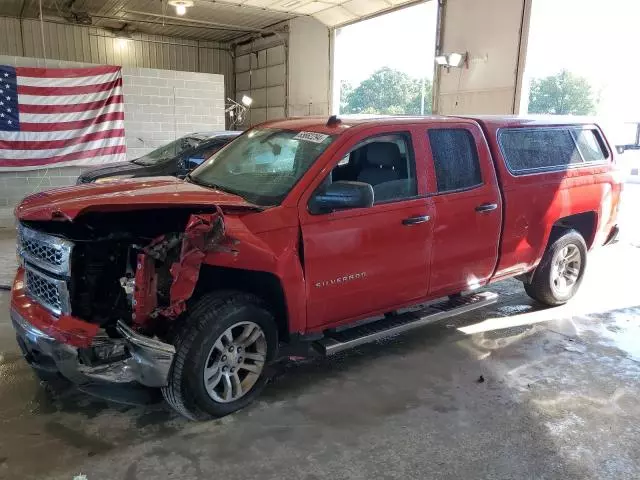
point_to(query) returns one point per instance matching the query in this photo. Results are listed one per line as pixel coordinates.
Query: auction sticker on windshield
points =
(311, 137)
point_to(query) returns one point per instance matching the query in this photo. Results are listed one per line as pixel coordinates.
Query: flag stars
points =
(6, 74)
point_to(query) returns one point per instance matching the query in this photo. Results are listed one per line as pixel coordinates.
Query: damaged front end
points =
(96, 299)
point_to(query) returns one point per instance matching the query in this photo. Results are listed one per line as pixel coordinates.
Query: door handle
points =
(486, 207)
(416, 220)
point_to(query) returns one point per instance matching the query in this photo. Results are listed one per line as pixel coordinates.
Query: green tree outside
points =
(386, 92)
(561, 94)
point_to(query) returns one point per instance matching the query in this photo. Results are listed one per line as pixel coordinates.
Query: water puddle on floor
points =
(622, 328)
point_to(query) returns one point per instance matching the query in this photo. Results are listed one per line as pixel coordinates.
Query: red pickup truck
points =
(304, 235)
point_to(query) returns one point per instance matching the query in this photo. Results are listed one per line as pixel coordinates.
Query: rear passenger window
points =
(528, 150)
(455, 158)
(590, 145)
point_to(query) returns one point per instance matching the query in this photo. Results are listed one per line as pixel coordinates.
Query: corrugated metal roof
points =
(216, 20)
(10, 8)
(206, 20)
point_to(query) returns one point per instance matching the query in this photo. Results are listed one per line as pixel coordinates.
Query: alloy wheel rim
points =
(235, 362)
(565, 269)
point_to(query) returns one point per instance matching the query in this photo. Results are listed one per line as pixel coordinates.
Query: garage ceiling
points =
(330, 12)
(217, 20)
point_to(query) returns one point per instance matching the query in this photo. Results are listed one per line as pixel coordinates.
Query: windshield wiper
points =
(213, 186)
(189, 178)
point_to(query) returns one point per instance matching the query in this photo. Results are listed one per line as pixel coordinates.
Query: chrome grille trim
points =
(47, 252)
(51, 293)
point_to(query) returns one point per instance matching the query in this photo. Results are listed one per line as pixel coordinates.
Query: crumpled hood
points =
(125, 195)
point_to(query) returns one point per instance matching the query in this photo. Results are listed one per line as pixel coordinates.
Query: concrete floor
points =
(559, 400)
(7, 257)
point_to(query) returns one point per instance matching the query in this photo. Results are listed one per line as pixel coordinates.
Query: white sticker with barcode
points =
(311, 137)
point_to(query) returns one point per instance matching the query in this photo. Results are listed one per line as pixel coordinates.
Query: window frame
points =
(433, 161)
(293, 187)
(407, 136)
(557, 168)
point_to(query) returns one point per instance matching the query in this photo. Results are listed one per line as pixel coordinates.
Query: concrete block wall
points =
(160, 105)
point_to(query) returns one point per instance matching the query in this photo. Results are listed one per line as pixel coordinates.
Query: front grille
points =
(46, 253)
(47, 262)
(51, 293)
(49, 253)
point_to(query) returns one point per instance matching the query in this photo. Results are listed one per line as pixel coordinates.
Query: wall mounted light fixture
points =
(237, 111)
(455, 60)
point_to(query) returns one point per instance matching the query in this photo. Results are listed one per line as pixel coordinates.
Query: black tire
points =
(205, 322)
(541, 287)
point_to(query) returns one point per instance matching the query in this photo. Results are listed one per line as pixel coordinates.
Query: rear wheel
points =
(222, 350)
(559, 274)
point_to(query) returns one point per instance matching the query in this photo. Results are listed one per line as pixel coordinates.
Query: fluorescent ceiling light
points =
(181, 6)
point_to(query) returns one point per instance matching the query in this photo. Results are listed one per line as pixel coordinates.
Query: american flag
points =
(60, 117)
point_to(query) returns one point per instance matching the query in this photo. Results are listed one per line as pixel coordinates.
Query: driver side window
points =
(386, 162)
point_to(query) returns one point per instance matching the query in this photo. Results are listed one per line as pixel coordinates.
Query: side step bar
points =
(338, 341)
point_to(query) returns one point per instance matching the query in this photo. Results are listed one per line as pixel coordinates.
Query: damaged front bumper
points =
(134, 358)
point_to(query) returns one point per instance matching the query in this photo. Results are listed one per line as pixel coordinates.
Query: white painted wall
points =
(309, 68)
(490, 30)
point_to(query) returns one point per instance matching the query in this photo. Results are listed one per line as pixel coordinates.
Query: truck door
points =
(363, 261)
(468, 208)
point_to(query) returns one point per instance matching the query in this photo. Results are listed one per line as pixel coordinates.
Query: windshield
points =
(262, 165)
(169, 151)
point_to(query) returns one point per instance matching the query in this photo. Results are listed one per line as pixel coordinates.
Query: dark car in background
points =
(175, 159)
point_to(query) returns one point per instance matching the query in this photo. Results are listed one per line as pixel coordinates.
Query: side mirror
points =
(340, 195)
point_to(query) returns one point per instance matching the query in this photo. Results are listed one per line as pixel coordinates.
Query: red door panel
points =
(467, 225)
(363, 261)
(465, 241)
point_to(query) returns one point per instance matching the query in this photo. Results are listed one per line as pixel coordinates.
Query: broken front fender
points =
(204, 233)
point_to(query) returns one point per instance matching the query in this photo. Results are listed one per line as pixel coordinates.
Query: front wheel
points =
(559, 274)
(222, 350)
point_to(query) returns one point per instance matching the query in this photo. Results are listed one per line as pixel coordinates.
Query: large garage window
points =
(530, 150)
(374, 70)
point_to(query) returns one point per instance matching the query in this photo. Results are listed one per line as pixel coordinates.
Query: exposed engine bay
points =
(138, 267)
